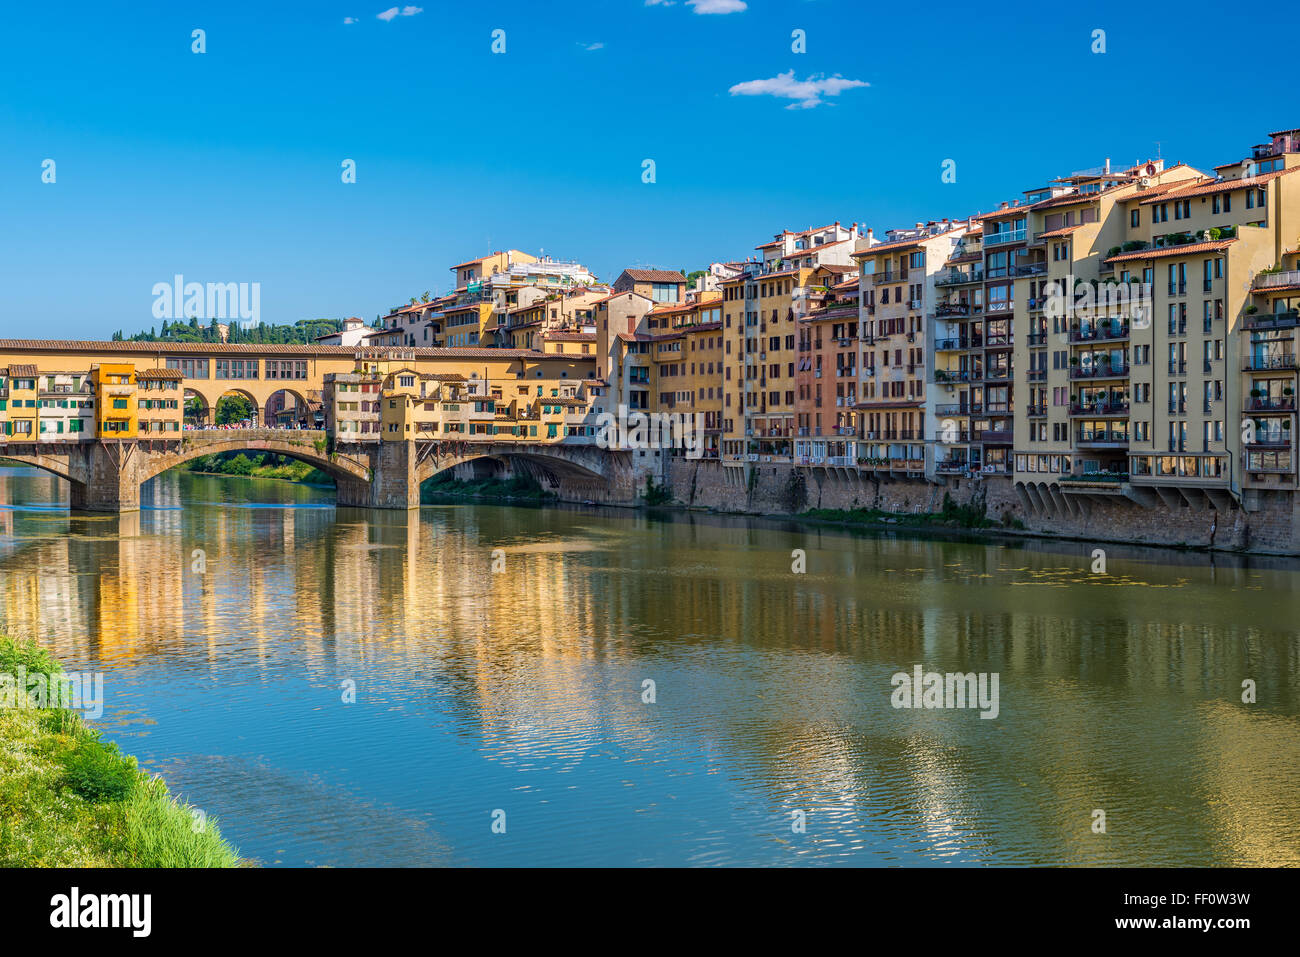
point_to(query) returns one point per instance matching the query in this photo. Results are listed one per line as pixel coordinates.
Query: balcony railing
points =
(952, 309)
(957, 277)
(1036, 411)
(1272, 320)
(1099, 408)
(1100, 371)
(1029, 269)
(1271, 440)
(1004, 237)
(996, 436)
(1285, 403)
(1262, 363)
(1101, 332)
(1037, 338)
(880, 278)
(1111, 437)
(951, 345)
(1037, 375)
(1271, 280)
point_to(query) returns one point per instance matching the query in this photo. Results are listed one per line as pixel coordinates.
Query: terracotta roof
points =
(570, 336)
(625, 292)
(901, 243)
(159, 374)
(1009, 211)
(806, 232)
(831, 312)
(1064, 231)
(847, 284)
(1284, 132)
(1221, 186)
(22, 370)
(654, 275)
(160, 349)
(1190, 249)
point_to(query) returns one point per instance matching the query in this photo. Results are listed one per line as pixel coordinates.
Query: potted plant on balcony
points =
(1251, 310)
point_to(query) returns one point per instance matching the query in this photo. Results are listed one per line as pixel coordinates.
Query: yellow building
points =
(116, 412)
(160, 403)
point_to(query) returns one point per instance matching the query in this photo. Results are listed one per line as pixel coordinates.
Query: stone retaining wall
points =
(1269, 524)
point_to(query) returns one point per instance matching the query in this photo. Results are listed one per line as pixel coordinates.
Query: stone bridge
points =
(106, 475)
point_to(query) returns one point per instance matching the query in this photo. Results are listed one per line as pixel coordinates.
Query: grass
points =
(70, 799)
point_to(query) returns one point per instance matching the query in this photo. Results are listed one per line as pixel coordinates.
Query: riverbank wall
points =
(1267, 523)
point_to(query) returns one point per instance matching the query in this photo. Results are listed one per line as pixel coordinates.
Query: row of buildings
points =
(1129, 324)
(106, 401)
(1125, 325)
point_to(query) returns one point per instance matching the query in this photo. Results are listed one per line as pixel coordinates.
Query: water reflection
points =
(523, 691)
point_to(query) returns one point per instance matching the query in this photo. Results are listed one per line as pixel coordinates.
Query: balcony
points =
(1029, 269)
(995, 436)
(1102, 408)
(1101, 332)
(1004, 237)
(1271, 280)
(945, 309)
(952, 467)
(1285, 403)
(1280, 439)
(951, 345)
(880, 278)
(944, 376)
(1263, 321)
(1102, 370)
(1036, 411)
(958, 277)
(1102, 438)
(1036, 339)
(1266, 363)
(1037, 375)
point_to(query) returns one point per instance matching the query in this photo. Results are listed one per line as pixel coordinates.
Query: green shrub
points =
(97, 771)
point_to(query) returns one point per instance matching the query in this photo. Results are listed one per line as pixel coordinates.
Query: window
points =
(189, 368)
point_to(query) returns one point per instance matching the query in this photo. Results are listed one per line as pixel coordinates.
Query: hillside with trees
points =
(301, 332)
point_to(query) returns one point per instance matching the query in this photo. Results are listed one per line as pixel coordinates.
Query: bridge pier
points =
(112, 477)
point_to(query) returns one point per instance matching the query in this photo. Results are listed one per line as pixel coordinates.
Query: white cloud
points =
(806, 93)
(718, 6)
(660, 3)
(349, 19)
(393, 12)
(592, 46)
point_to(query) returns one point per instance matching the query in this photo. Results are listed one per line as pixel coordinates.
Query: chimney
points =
(871, 236)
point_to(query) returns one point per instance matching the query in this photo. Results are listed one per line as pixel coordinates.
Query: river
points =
(662, 689)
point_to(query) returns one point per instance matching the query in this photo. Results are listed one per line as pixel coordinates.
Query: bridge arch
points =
(572, 462)
(273, 406)
(340, 468)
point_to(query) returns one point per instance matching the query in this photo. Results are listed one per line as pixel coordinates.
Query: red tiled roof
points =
(1009, 211)
(1202, 188)
(654, 275)
(1190, 249)
(1064, 231)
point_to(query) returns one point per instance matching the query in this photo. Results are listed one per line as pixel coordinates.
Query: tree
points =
(234, 408)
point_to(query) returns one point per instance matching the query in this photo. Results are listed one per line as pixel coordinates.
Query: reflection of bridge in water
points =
(106, 475)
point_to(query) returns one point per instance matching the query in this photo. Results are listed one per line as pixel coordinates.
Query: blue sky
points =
(225, 166)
